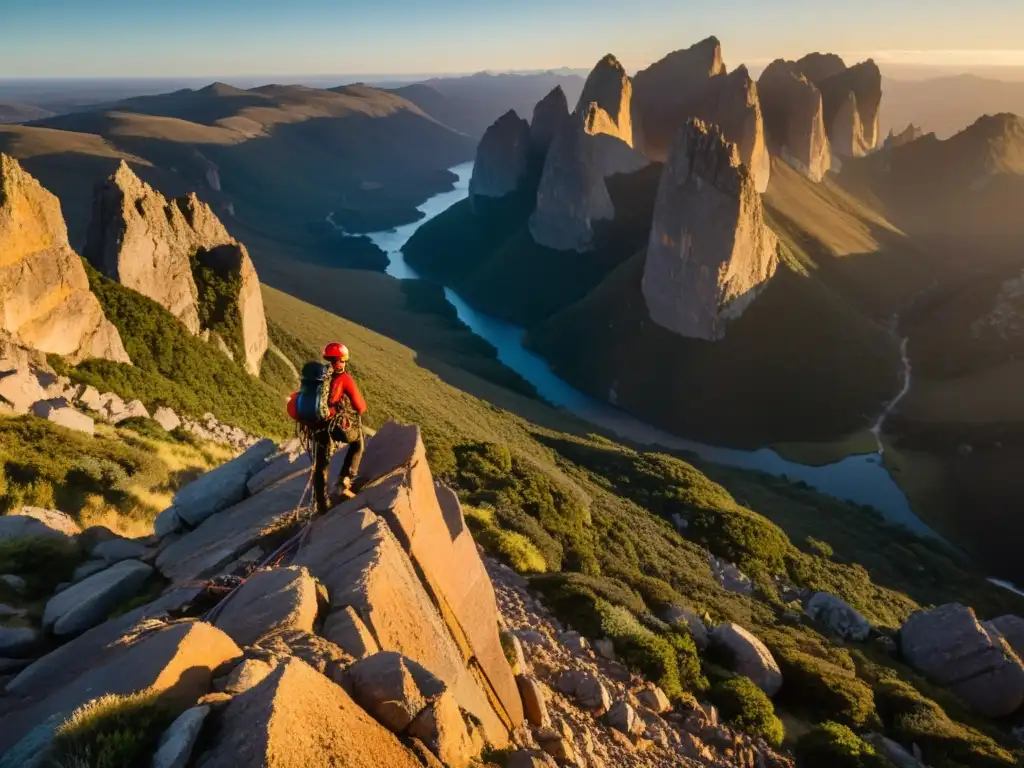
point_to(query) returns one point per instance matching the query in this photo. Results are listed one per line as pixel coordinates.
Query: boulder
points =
(687, 620)
(1011, 629)
(297, 718)
(534, 705)
(548, 116)
(392, 688)
(87, 603)
(248, 674)
(166, 418)
(133, 409)
(622, 717)
(44, 291)
(14, 582)
(175, 746)
(354, 553)
(654, 699)
(572, 196)
(61, 412)
(223, 537)
(175, 661)
(116, 550)
(87, 569)
(592, 694)
(794, 118)
(750, 657)
(838, 616)
(90, 397)
(557, 746)
(574, 641)
(321, 654)
(951, 647)
(221, 487)
(605, 648)
(281, 467)
(530, 758)
(20, 389)
(270, 601)
(664, 94)
(437, 539)
(710, 250)
(441, 727)
(60, 667)
(350, 633)
(36, 521)
(18, 641)
(502, 158)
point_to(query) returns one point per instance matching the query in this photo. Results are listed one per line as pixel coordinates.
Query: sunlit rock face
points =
(693, 82)
(851, 99)
(794, 119)
(502, 158)
(710, 251)
(45, 300)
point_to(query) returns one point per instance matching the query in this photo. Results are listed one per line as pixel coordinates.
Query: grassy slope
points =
(606, 521)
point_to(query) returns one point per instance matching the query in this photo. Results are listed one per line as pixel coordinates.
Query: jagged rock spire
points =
(502, 158)
(794, 118)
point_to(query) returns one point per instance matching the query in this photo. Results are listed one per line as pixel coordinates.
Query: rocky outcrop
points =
(36, 521)
(45, 300)
(664, 94)
(851, 99)
(750, 657)
(710, 251)
(906, 136)
(548, 116)
(838, 616)
(953, 649)
(154, 246)
(270, 601)
(91, 600)
(820, 66)
(794, 118)
(1011, 629)
(502, 158)
(572, 197)
(731, 102)
(609, 88)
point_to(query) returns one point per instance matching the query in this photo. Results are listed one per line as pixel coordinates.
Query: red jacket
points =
(342, 386)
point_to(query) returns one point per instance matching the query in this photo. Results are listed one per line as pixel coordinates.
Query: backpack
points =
(312, 404)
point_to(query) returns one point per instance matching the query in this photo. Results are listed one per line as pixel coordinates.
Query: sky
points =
(195, 38)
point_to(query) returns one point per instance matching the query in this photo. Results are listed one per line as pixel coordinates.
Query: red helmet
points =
(335, 351)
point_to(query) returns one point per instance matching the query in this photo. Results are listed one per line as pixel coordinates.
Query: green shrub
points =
(748, 708)
(836, 746)
(172, 367)
(111, 732)
(218, 283)
(910, 718)
(743, 537)
(824, 690)
(515, 549)
(145, 427)
(818, 547)
(43, 561)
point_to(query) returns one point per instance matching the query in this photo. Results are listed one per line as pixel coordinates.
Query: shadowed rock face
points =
(548, 116)
(45, 301)
(572, 195)
(502, 159)
(907, 135)
(710, 250)
(148, 243)
(851, 99)
(732, 103)
(665, 93)
(794, 118)
(820, 66)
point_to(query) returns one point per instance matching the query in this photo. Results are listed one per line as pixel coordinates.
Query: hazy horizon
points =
(402, 39)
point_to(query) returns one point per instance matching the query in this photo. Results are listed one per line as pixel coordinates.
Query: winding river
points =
(861, 479)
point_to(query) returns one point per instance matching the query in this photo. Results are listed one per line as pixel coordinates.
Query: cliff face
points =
(548, 116)
(693, 83)
(665, 92)
(710, 250)
(152, 245)
(502, 158)
(45, 301)
(851, 99)
(794, 118)
(820, 66)
(610, 89)
(572, 195)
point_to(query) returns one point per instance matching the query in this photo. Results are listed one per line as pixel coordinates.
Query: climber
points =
(336, 421)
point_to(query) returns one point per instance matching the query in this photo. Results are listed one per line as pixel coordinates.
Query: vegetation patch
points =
(43, 561)
(836, 746)
(111, 732)
(218, 278)
(748, 708)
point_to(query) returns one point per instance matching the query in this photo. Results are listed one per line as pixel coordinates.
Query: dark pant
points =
(322, 450)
